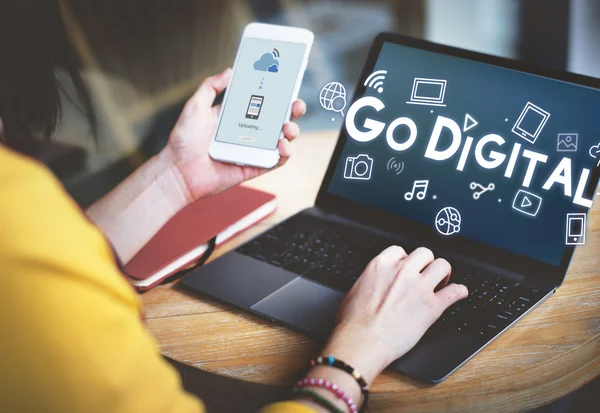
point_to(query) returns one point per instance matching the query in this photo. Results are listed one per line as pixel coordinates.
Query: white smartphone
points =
(267, 74)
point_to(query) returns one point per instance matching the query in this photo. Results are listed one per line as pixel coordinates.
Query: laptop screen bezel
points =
(424, 234)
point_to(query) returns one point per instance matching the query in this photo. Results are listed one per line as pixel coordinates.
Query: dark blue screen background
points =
(490, 94)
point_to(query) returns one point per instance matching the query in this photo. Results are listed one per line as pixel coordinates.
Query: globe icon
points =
(333, 97)
(448, 221)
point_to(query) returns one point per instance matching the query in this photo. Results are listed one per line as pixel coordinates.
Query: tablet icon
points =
(428, 92)
(576, 224)
(527, 203)
(531, 122)
(567, 142)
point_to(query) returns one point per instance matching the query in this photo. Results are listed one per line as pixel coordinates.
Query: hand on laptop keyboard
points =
(390, 307)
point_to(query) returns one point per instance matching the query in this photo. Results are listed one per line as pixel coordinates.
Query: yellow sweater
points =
(71, 336)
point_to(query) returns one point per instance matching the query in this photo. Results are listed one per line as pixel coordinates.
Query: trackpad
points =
(304, 305)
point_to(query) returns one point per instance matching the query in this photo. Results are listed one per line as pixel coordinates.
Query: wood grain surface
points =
(550, 353)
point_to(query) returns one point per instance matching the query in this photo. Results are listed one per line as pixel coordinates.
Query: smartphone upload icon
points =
(254, 107)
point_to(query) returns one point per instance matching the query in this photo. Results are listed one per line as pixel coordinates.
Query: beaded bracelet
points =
(334, 388)
(317, 398)
(339, 364)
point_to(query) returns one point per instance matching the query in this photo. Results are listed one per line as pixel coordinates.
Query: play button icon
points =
(527, 203)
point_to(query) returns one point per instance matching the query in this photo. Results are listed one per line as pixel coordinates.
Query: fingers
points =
(298, 109)
(291, 131)
(385, 266)
(437, 272)
(420, 258)
(211, 87)
(285, 150)
(451, 294)
(394, 252)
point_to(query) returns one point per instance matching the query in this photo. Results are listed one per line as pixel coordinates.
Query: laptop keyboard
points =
(336, 255)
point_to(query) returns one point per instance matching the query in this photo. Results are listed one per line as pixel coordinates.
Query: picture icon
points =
(576, 224)
(268, 62)
(333, 97)
(359, 167)
(527, 203)
(422, 184)
(395, 166)
(567, 142)
(376, 79)
(429, 92)
(448, 221)
(530, 123)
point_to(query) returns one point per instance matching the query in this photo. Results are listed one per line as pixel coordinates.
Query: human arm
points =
(384, 315)
(71, 333)
(181, 173)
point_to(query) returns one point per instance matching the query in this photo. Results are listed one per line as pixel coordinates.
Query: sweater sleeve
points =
(287, 407)
(71, 335)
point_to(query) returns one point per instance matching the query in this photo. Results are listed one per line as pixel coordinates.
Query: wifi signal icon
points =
(395, 166)
(375, 80)
(275, 53)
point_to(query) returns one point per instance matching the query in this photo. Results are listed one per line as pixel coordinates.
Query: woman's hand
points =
(190, 140)
(390, 307)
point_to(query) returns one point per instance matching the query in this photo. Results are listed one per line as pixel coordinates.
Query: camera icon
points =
(358, 167)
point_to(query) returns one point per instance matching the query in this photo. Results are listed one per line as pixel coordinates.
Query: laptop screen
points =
(473, 150)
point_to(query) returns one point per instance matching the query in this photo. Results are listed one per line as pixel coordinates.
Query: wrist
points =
(175, 184)
(358, 351)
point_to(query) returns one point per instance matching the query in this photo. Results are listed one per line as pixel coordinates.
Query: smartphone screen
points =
(260, 92)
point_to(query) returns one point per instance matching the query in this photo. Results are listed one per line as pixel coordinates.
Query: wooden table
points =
(552, 352)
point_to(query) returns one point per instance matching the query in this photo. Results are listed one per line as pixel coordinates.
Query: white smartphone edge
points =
(247, 155)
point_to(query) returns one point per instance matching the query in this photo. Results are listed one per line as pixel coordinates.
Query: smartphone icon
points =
(254, 107)
(576, 224)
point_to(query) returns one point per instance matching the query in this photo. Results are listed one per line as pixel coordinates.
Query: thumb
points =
(1, 131)
(211, 87)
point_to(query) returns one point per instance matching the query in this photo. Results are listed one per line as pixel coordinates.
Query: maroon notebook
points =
(185, 237)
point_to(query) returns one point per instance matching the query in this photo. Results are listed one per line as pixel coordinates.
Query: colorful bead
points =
(330, 360)
(334, 388)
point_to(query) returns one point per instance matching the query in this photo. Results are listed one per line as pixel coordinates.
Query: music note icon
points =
(424, 183)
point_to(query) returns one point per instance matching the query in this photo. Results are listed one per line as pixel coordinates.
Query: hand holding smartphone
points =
(267, 75)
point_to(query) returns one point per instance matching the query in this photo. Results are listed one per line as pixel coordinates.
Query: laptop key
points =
(487, 330)
(300, 266)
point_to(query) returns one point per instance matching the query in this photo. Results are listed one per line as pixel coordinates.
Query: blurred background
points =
(143, 58)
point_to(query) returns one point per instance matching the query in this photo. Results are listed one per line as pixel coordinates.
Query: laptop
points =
(452, 150)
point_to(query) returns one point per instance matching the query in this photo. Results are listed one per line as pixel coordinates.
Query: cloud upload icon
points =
(595, 152)
(267, 63)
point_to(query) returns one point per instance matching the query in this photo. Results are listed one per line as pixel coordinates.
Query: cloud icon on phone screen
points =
(595, 151)
(267, 63)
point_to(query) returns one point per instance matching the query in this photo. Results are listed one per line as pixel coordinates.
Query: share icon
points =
(482, 189)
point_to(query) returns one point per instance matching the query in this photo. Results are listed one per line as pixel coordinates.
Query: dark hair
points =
(34, 45)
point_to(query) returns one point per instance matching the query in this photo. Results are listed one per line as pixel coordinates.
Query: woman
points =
(71, 332)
